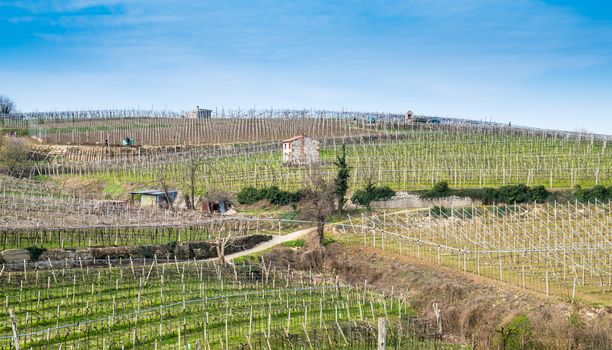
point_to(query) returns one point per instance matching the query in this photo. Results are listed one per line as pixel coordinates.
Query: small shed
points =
(154, 198)
(215, 202)
(212, 206)
(409, 117)
(301, 150)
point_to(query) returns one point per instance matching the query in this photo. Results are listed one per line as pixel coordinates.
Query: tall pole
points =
(382, 333)
(14, 327)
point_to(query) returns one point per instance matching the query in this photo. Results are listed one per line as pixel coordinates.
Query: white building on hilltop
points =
(301, 150)
(199, 113)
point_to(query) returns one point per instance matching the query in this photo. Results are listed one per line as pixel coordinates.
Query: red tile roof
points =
(293, 138)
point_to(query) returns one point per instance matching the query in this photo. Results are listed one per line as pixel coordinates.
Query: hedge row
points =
(505, 194)
(273, 194)
(598, 193)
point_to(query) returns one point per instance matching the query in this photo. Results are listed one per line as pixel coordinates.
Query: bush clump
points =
(517, 334)
(505, 194)
(439, 190)
(521, 194)
(249, 195)
(273, 194)
(597, 193)
(13, 155)
(372, 193)
(35, 252)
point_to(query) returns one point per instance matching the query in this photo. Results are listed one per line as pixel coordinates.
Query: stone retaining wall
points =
(99, 255)
(410, 201)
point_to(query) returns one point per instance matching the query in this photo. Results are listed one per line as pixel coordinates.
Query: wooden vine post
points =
(382, 333)
(14, 328)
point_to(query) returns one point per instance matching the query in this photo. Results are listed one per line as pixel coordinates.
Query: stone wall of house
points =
(311, 151)
(310, 154)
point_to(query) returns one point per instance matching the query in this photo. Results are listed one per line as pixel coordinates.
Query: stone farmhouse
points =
(301, 150)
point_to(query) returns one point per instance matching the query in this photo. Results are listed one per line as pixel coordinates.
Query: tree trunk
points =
(321, 232)
(221, 252)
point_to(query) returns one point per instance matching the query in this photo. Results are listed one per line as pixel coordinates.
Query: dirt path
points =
(276, 240)
(279, 239)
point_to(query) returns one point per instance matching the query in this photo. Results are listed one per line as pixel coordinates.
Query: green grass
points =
(298, 243)
(114, 189)
(328, 240)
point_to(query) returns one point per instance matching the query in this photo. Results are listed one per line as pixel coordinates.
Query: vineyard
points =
(83, 267)
(194, 305)
(560, 249)
(414, 159)
(65, 236)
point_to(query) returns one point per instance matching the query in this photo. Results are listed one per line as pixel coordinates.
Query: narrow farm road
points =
(276, 240)
(280, 239)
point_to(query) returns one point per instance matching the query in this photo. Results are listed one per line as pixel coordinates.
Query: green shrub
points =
(597, 193)
(517, 334)
(249, 195)
(514, 194)
(35, 252)
(539, 194)
(274, 195)
(439, 190)
(372, 193)
(506, 194)
(485, 195)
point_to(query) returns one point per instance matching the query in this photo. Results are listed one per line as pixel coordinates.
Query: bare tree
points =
(13, 154)
(195, 166)
(6, 105)
(318, 202)
(164, 185)
(221, 244)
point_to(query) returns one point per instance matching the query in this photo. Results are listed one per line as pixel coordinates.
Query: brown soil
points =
(473, 309)
(81, 186)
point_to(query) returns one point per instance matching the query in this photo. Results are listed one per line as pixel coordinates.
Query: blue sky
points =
(538, 63)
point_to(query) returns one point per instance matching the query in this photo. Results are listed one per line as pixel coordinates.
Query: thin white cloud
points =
(21, 19)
